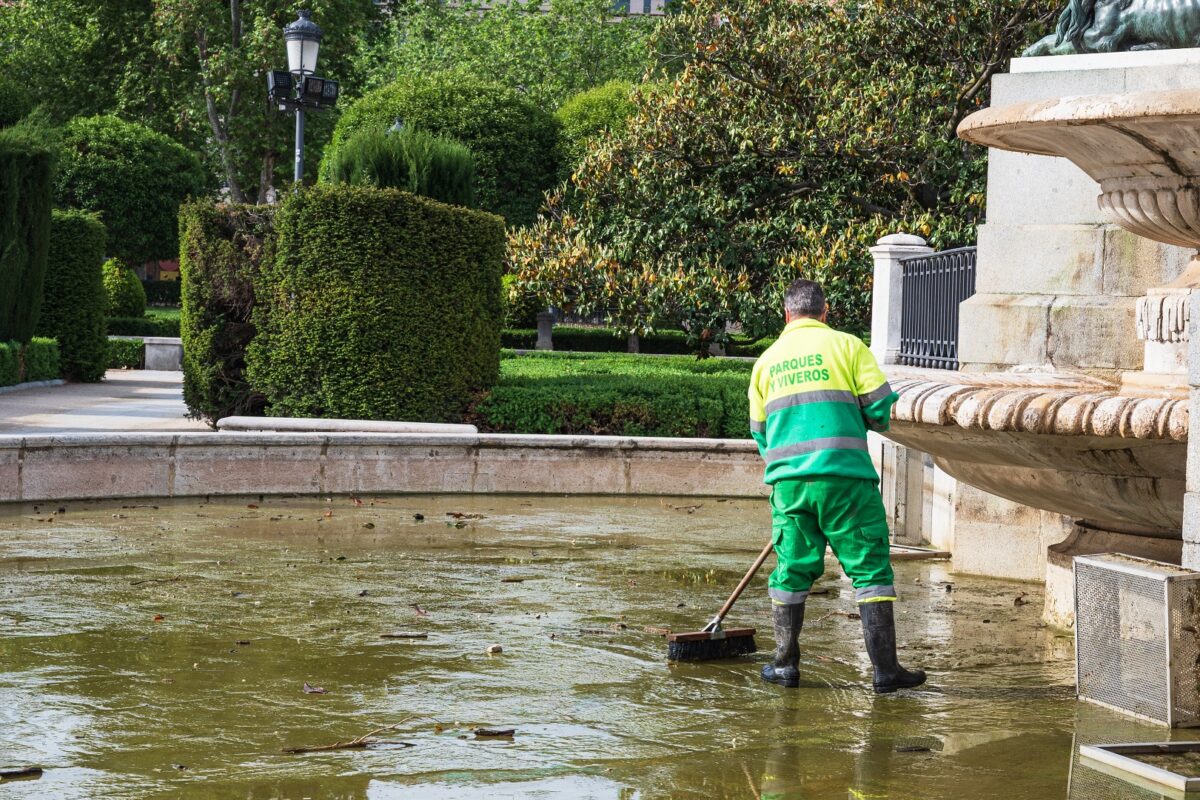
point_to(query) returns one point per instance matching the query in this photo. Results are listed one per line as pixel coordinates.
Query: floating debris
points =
(495, 650)
(404, 635)
(494, 733)
(309, 689)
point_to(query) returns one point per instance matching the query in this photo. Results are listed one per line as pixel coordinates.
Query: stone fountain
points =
(1073, 394)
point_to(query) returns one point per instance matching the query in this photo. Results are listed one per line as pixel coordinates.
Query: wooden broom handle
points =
(741, 587)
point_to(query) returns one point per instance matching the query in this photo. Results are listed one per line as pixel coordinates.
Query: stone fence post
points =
(887, 290)
(545, 331)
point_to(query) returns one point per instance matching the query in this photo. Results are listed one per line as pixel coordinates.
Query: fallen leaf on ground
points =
(313, 689)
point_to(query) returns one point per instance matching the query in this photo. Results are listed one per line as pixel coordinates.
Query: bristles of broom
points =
(709, 649)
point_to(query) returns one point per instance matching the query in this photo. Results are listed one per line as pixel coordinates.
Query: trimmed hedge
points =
(377, 305)
(143, 326)
(134, 177)
(513, 139)
(222, 248)
(74, 306)
(162, 293)
(126, 353)
(624, 395)
(26, 168)
(568, 338)
(126, 297)
(36, 360)
(436, 167)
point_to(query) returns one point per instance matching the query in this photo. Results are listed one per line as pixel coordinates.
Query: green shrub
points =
(520, 308)
(604, 109)
(26, 168)
(378, 305)
(37, 360)
(10, 364)
(134, 178)
(624, 395)
(162, 293)
(41, 360)
(518, 338)
(222, 248)
(512, 139)
(437, 167)
(143, 326)
(74, 307)
(126, 353)
(126, 297)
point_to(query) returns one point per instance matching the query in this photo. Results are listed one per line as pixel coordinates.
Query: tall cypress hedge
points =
(377, 305)
(221, 248)
(73, 310)
(26, 170)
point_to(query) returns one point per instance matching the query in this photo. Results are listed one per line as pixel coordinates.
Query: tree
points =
(548, 54)
(786, 137)
(134, 178)
(512, 139)
(227, 48)
(584, 116)
(88, 57)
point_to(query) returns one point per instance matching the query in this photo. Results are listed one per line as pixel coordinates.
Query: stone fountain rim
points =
(1043, 404)
(1112, 109)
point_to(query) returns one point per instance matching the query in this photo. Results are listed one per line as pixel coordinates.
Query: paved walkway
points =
(127, 400)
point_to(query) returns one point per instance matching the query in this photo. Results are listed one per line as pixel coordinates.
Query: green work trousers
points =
(845, 513)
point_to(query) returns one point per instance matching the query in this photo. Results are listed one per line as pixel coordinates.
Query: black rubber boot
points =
(788, 622)
(879, 632)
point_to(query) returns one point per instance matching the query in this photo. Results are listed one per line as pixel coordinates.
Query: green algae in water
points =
(124, 690)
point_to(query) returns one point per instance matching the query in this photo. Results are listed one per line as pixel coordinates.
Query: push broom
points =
(714, 641)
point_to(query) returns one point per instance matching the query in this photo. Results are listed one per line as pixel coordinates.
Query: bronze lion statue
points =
(1109, 26)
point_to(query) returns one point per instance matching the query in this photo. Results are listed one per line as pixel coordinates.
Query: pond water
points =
(164, 652)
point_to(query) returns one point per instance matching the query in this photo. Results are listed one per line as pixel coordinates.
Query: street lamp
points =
(299, 88)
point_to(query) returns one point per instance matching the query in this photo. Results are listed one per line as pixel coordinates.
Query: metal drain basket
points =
(1137, 649)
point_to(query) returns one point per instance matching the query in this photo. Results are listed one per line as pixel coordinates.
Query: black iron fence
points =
(934, 285)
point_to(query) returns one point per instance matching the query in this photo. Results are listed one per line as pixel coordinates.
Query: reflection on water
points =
(162, 652)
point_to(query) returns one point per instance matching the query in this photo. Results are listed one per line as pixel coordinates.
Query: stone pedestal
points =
(1058, 284)
(545, 331)
(886, 292)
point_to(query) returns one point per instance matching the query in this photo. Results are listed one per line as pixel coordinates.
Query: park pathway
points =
(127, 400)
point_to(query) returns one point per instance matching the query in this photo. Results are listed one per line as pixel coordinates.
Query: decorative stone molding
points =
(1163, 316)
(1000, 403)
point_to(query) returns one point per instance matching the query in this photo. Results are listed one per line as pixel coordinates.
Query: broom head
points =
(709, 645)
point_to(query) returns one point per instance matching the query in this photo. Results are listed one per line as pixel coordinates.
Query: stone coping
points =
(151, 464)
(999, 403)
(312, 425)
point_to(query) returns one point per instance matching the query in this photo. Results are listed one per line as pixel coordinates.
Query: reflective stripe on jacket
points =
(813, 395)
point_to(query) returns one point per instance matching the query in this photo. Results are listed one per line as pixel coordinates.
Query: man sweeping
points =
(813, 396)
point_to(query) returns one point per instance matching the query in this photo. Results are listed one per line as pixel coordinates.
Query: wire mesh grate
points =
(1137, 648)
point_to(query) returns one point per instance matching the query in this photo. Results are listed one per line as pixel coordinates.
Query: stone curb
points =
(150, 464)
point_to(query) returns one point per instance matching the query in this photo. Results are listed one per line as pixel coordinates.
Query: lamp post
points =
(299, 89)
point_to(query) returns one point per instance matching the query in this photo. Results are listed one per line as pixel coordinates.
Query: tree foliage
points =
(549, 53)
(512, 139)
(226, 49)
(431, 166)
(583, 117)
(134, 178)
(124, 292)
(785, 138)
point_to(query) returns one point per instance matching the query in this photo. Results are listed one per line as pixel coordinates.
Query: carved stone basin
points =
(1143, 149)
(1067, 444)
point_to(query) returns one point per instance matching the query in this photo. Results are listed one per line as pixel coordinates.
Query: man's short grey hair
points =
(804, 299)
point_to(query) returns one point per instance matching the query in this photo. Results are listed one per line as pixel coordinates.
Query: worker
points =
(814, 394)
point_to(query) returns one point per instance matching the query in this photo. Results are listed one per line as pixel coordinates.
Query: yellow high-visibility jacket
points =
(813, 396)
